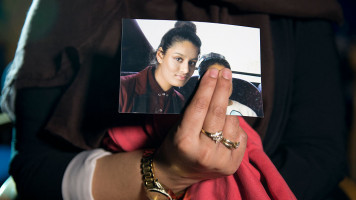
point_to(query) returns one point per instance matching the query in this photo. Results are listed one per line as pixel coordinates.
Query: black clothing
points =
(67, 96)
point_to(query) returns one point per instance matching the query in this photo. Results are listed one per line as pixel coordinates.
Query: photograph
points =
(162, 62)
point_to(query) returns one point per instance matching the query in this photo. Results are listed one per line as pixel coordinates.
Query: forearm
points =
(118, 176)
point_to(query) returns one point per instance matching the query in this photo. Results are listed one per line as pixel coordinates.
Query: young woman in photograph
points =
(217, 61)
(151, 90)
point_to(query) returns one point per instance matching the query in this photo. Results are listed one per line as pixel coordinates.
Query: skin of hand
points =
(187, 156)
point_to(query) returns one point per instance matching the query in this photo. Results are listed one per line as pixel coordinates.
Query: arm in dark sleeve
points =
(43, 73)
(311, 155)
(40, 163)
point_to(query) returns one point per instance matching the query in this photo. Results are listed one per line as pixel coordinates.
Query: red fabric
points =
(256, 178)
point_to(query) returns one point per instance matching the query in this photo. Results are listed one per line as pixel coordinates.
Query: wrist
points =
(153, 187)
(172, 176)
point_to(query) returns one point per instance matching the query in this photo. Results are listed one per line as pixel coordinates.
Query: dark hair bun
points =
(186, 25)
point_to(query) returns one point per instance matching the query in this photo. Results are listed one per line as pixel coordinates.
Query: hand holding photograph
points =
(163, 61)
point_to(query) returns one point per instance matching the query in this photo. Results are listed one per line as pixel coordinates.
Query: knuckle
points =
(183, 145)
(236, 120)
(227, 169)
(200, 105)
(219, 111)
(233, 119)
(204, 159)
(243, 136)
(231, 170)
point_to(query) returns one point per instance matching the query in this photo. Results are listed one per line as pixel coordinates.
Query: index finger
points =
(196, 111)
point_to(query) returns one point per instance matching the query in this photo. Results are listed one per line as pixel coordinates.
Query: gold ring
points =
(229, 144)
(217, 137)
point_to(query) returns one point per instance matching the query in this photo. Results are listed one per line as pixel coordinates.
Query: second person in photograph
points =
(218, 61)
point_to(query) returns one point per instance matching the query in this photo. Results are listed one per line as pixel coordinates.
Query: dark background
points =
(12, 17)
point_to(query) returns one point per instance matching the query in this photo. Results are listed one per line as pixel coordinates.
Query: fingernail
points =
(226, 74)
(214, 73)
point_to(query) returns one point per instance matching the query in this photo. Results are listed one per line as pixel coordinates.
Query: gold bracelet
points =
(154, 190)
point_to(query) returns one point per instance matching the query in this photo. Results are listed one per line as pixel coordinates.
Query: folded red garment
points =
(256, 178)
